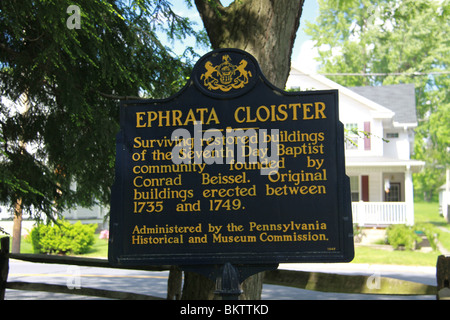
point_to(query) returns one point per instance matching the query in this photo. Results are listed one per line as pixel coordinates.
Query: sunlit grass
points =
(424, 212)
(396, 257)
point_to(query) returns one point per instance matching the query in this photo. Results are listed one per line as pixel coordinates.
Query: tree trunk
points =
(197, 287)
(266, 29)
(174, 283)
(17, 226)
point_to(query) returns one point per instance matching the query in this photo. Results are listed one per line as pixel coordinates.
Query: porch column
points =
(409, 196)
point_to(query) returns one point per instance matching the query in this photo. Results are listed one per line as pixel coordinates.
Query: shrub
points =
(402, 235)
(430, 232)
(63, 237)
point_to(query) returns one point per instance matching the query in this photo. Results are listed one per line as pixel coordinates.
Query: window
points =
(394, 192)
(351, 138)
(354, 187)
(391, 135)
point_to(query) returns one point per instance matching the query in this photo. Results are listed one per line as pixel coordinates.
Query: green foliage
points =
(63, 238)
(431, 144)
(64, 87)
(430, 231)
(403, 42)
(402, 235)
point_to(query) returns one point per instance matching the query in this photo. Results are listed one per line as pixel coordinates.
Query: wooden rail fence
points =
(324, 282)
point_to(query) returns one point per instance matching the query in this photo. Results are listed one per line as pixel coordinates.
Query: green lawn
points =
(99, 249)
(424, 213)
(407, 258)
(428, 212)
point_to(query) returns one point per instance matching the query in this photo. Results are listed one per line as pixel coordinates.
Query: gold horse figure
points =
(210, 69)
(243, 73)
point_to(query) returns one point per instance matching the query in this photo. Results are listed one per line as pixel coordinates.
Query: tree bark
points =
(17, 226)
(266, 29)
(197, 287)
(17, 221)
(174, 283)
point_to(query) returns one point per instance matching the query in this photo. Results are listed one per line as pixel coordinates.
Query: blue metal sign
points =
(231, 170)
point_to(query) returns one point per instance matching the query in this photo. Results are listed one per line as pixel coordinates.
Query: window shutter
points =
(366, 136)
(365, 188)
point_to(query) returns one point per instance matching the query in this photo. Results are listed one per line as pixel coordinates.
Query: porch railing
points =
(382, 213)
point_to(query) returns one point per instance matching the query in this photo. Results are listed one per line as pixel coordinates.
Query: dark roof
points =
(399, 98)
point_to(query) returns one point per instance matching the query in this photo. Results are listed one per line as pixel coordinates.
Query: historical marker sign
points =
(231, 170)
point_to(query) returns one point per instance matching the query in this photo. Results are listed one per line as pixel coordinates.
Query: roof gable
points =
(307, 81)
(399, 98)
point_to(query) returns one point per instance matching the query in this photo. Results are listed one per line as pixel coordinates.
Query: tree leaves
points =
(404, 41)
(73, 79)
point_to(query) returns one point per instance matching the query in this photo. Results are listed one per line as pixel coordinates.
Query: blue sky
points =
(310, 13)
(302, 53)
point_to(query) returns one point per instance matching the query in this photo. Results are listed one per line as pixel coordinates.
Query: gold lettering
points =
(294, 107)
(306, 110)
(280, 112)
(139, 118)
(320, 109)
(171, 118)
(238, 119)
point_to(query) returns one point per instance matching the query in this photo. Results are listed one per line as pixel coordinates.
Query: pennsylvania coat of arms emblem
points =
(225, 76)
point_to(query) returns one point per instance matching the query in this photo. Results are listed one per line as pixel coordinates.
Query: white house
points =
(378, 164)
(444, 197)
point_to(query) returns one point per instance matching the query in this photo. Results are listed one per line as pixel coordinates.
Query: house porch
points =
(382, 190)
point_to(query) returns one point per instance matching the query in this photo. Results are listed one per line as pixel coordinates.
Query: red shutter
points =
(366, 136)
(365, 188)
